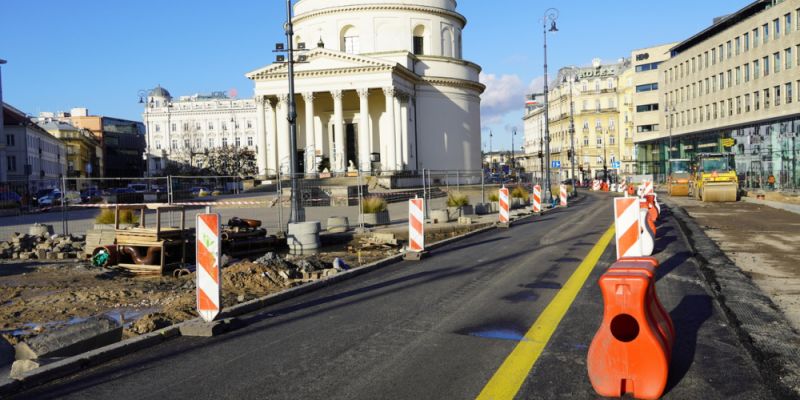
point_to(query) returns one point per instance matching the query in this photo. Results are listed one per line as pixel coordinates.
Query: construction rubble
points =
(41, 244)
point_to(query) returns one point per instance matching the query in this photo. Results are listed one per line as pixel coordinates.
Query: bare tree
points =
(232, 161)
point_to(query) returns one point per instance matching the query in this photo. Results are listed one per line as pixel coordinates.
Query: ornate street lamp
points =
(572, 130)
(551, 15)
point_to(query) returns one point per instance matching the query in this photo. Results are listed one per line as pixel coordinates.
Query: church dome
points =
(307, 6)
(159, 92)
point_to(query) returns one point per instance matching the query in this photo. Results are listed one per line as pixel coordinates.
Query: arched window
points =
(419, 40)
(350, 42)
(447, 42)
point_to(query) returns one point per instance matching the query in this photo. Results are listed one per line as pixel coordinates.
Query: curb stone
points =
(761, 326)
(104, 354)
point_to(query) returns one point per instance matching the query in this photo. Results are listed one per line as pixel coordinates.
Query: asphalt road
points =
(436, 329)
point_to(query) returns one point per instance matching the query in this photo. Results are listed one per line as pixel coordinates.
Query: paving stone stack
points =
(41, 244)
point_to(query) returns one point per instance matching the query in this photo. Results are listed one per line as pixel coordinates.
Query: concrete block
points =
(20, 367)
(208, 329)
(465, 221)
(41, 254)
(25, 256)
(71, 340)
(440, 216)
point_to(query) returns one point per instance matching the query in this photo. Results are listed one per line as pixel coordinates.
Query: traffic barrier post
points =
(208, 255)
(563, 195)
(416, 230)
(537, 199)
(647, 229)
(628, 354)
(626, 225)
(505, 216)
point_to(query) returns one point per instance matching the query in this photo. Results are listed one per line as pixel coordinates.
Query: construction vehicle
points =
(714, 178)
(679, 175)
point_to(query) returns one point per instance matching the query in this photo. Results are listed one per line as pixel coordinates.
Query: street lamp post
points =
(670, 109)
(572, 132)
(513, 161)
(551, 14)
(491, 161)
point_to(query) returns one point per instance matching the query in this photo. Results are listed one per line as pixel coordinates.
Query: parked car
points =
(199, 191)
(122, 190)
(10, 197)
(54, 198)
(92, 195)
(42, 193)
(138, 187)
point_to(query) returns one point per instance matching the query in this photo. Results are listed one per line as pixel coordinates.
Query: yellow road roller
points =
(714, 178)
(679, 176)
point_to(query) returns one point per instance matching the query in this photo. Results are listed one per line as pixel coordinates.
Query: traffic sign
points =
(208, 254)
(728, 142)
(615, 164)
(555, 164)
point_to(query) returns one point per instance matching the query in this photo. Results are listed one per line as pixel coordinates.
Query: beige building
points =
(644, 103)
(737, 79)
(595, 92)
(533, 146)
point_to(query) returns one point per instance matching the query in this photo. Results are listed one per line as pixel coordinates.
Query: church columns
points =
(411, 132)
(404, 131)
(311, 144)
(388, 142)
(283, 134)
(261, 134)
(364, 131)
(272, 138)
(339, 150)
(398, 135)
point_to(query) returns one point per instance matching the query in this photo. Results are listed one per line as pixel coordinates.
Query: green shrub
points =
(372, 205)
(494, 197)
(106, 216)
(457, 199)
(520, 193)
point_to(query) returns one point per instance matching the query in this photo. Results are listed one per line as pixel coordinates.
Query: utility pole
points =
(550, 14)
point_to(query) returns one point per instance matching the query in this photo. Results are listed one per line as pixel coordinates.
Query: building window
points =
(756, 69)
(597, 85)
(597, 105)
(776, 24)
(585, 86)
(599, 141)
(610, 83)
(198, 143)
(211, 143)
(747, 72)
(174, 144)
(158, 145)
(612, 140)
(787, 54)
(647, 107)
(729, 49)
(730, 107)
(611, 124)
(776, 57)
(350, 42)
(647, 87)
(766, 99)
(598, 125)
(224, 126)
(714, 106)
(713, 56)
(11, 163)
(747, 103)
(738, 105)
(766, 65)
(777, 90)
(10, 140)
(586, 141)
(174, 127)
(738, 75)
(249, 124)
(237, 141)
(186, 127)
(224, 142)
(419, 45)
(586, 125)
(249, 141)
(198, 126)
(765, 31)
(787, 22)
(788, 93)
(756, 39)
(210, 126)
(647, 128)
(158, 128)
(738, 45)
(756, 100)
(747, 41)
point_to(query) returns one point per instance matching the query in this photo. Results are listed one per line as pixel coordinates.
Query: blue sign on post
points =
(615, 164)
(556, 164)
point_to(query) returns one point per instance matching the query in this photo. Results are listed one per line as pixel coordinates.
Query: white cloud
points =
(505, 94)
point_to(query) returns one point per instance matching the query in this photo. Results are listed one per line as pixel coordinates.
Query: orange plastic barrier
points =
(658, 313)
(650, 217)
(628, 354)
(631, 190)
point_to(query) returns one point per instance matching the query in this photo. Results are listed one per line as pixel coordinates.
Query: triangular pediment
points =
(323, 60)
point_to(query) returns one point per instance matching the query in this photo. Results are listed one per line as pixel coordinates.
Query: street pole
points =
(572, 136)
(513, 162)
(605, 163)
(552, 15)
(490, 152)
(670, 109)
(297, 214)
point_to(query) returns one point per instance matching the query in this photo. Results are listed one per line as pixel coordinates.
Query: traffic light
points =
(541, 155)
(569, 154)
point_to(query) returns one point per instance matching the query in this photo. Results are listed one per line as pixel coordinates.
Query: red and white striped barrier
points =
(647, 230)
(416, 225)
(208, 255)
(623, 185)
(537, 199)
(627, 226)
(646, 188)
(504, 206)
(563, 195)
(596, 185)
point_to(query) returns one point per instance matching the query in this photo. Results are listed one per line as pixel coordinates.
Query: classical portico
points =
(361, 121)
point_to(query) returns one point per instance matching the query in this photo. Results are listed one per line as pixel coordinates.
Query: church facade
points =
(383, 89)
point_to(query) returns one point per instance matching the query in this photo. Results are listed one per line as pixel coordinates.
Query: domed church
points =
(384, 89)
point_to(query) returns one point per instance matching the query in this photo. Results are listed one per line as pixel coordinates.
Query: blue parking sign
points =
(556, 164)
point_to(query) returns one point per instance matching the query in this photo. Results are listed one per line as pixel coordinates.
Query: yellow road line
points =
(508, 379)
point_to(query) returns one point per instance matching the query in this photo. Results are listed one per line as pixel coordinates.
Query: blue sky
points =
(99, 53)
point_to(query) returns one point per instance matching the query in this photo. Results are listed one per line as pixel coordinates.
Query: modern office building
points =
(644, 109)
(734, 87)
(122, 141)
